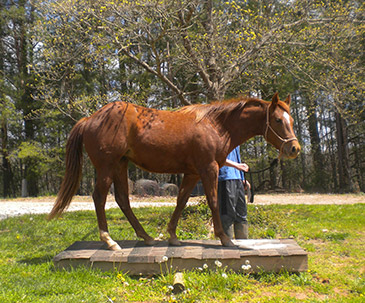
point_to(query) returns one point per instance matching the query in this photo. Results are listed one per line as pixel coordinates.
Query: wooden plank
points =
(80, 250)
(231, 253)
(192, 250)
(174, 252)
(138, 259)
(159, 251)
(141, 254)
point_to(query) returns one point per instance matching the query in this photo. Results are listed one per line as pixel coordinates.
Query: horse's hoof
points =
(115, 247)
(228, 243)
(150, 241)
(174, 242)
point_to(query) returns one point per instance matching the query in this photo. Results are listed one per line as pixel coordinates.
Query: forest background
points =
(62, 60)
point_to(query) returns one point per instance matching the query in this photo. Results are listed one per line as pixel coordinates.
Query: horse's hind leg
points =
(102, 186)
(121, 196)
(187, 185)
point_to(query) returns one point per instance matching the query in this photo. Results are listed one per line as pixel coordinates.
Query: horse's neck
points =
(241, 126)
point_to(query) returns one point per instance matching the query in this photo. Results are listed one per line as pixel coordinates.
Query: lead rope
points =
(251, 192)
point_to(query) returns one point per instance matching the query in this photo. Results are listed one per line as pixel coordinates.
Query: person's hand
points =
(243, 166)
(246, 184)
(240, 166)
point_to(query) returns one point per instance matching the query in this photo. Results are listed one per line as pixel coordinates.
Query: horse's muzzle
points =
(292, 149)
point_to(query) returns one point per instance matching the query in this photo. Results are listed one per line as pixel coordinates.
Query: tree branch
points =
(180, 94)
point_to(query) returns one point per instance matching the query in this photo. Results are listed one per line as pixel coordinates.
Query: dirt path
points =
(20, 206)
(310, 199)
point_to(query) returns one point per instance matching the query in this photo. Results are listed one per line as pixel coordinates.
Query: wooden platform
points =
(139, 259)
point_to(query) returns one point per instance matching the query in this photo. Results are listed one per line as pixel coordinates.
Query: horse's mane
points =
(218, 108)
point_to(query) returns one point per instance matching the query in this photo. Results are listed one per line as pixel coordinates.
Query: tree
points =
(195, 48)
(16, 52)
(64, 59)
(324, 56)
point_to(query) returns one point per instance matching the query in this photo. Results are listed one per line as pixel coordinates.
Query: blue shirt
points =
(231, 173)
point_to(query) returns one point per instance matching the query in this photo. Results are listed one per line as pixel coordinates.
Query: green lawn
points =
(333, 235)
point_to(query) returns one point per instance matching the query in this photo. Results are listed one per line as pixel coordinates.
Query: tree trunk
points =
(284, 178)
(359, 162)
(299, 133)
(320, 179)
(345, 184)
(26, 103)
(8, 189)
(333, 164)
(6, 168)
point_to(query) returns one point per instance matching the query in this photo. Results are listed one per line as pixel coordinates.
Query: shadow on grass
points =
(92, 232)
(37, 261)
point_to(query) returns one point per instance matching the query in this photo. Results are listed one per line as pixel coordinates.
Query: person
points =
(231, 196)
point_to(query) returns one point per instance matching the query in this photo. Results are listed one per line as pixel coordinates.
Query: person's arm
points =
(240, 166)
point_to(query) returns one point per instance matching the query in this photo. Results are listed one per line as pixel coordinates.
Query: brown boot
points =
(241, 230)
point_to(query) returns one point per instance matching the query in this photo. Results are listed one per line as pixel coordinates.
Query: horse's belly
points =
(159, 161)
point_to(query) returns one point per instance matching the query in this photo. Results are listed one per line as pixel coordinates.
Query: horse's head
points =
(279, 128)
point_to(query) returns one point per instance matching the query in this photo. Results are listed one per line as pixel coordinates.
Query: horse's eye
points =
(278, 120)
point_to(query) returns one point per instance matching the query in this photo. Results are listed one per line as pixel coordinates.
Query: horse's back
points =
(156, 140)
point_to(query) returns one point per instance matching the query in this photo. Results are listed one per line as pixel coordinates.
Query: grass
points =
(334, 236)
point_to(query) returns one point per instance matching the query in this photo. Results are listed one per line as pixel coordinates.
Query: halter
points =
(268, 126)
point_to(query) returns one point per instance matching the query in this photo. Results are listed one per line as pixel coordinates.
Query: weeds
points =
(333, 236)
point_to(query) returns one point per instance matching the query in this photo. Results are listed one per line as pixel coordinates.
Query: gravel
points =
(43, 206)
(11, 209)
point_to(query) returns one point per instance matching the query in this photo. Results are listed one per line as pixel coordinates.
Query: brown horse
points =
(194, 140)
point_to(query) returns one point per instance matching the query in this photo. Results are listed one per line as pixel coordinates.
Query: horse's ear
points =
(275, 99)
(287, 100)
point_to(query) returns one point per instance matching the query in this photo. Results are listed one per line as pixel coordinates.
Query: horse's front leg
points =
(210, 183)
(187, 185)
